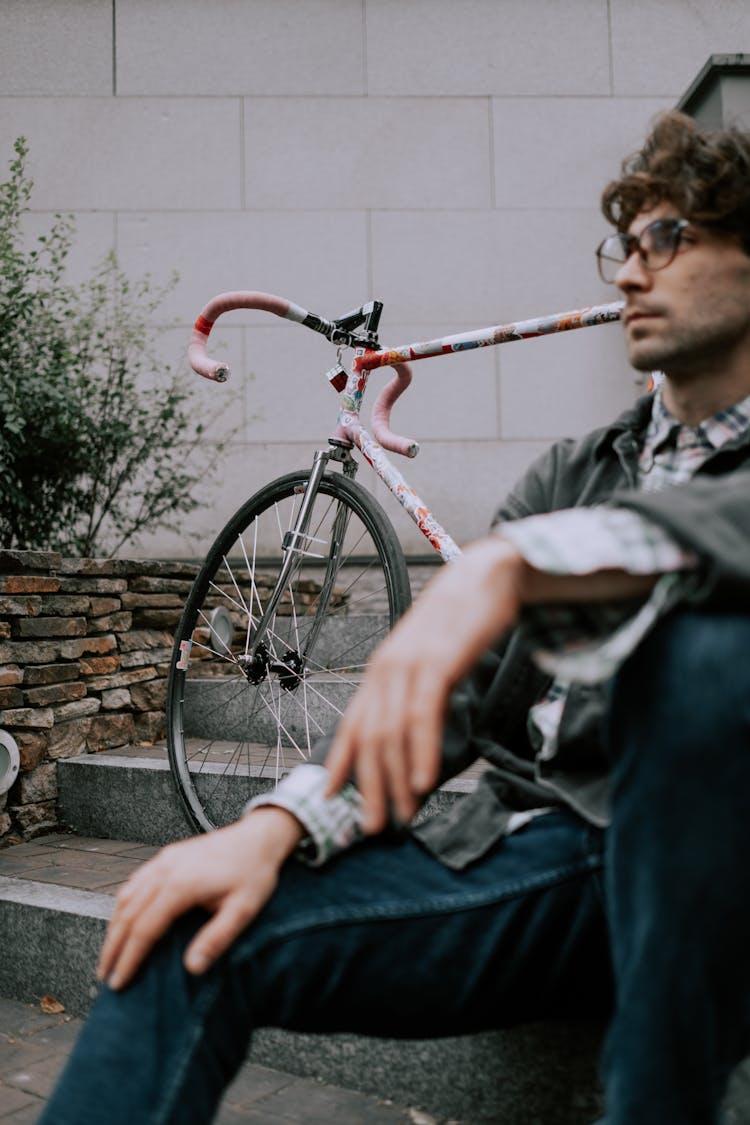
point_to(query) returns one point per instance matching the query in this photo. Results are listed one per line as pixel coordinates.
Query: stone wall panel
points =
(85, 646)
(119, 699)
(76, 709)
(150, 696)
(32, 748)
(147, 656)
(145, 639)
(29, 652)
(28, 584)
(48, 694)
(20, 607)
(34, 819)
(110, 731)
(99, 665)
(101, 606)
(86, 585)
(51, 673)
(11, 561)
(89, 646)
(68, 739)
(50, 626)
(39, 784)
(111, 623)
(10, 674)
(149, 726)
(11, 697)
(41, 717)
(65, 605)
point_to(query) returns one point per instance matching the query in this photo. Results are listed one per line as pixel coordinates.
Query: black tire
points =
(235, 728)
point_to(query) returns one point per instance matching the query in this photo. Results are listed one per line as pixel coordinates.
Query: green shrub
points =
(96, 435)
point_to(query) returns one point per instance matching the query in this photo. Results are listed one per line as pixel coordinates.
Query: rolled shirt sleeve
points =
(586, 642)
(331, 823)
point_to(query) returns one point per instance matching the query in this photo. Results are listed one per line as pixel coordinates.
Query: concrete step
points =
(227, 707)
(56, 895)
(129, 794)
(218, 704)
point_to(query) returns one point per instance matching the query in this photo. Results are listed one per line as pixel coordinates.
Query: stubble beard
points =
(682, 353)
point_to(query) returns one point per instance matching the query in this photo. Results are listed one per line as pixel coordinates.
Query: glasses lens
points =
(611, 253)
(658, 242)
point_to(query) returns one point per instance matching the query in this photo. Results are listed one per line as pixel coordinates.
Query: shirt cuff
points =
(332, 823)
(584, 540)
(587, 642)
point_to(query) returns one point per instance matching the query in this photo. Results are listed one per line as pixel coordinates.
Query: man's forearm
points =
(539, 588)
(497, 555)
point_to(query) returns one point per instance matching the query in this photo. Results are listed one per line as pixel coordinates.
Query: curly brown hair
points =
(706, 175)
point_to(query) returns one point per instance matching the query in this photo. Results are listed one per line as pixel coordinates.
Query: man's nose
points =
(633, 274)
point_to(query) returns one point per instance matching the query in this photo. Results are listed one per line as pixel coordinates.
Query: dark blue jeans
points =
(386, 940)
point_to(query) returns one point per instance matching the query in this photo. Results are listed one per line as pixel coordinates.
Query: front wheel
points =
(239, 712)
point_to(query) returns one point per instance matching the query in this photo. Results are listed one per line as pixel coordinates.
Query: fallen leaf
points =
(51, 1006)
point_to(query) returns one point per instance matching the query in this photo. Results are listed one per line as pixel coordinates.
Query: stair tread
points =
(259, 755)
(63, 860)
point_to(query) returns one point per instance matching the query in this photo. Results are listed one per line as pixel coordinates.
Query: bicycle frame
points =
(351, 385)
(350, 430)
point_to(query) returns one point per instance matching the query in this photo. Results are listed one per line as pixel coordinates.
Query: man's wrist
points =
(494, 560)
(282, 828)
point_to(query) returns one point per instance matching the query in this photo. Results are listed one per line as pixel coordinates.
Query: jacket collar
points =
(635, 420)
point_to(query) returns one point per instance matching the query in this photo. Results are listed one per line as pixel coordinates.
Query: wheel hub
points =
(289, 669)
(256, 669)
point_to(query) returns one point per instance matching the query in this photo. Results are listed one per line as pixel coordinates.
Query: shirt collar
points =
(715, 431)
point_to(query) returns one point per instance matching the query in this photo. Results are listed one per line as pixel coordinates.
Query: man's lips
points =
(633, 316)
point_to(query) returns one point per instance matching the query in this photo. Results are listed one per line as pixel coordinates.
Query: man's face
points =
(693, 314)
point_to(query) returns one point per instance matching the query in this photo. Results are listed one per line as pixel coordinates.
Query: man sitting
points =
(594, 648)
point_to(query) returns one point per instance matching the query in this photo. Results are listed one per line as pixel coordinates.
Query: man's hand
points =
(390, 735)
(231, 873)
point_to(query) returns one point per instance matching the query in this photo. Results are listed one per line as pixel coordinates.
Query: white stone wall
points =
(445, 156)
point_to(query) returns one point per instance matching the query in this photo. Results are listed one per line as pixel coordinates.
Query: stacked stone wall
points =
(84, 653)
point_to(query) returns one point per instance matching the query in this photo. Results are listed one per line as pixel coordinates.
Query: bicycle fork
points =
(296, 545)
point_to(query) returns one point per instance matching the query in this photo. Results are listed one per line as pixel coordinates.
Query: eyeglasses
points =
(656, 246)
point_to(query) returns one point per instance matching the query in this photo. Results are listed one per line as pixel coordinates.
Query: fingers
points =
(383, 765)
(216, 936)
(425, 737)
(340, 759)
(389, 740)
(231, 873)
(143, 913)
(126, 909)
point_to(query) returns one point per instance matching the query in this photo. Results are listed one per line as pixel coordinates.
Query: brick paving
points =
(35, 1045)
(74, 861)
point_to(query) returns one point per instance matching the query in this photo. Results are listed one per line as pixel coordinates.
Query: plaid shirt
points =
(584, 643)
(587, 643)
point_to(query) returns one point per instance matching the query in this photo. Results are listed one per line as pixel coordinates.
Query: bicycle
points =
(307, 576)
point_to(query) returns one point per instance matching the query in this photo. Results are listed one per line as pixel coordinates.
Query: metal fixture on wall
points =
(719, 95)
(9, 761)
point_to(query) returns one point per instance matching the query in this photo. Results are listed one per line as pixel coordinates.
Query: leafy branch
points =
(99, 441)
